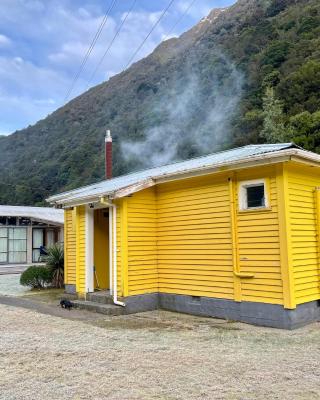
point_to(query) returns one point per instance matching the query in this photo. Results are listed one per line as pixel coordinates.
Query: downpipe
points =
(113, 253)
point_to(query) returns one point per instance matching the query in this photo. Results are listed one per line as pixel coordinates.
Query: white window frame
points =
(242, 194)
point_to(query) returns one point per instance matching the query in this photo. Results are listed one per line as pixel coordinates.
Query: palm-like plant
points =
(55, 262)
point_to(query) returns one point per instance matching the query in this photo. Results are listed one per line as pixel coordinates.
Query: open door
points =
(101, 249)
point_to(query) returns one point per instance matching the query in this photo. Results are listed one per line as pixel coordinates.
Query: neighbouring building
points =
(23, 230)
(233, 235)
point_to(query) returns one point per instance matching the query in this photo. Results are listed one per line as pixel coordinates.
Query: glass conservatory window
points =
(17, 245)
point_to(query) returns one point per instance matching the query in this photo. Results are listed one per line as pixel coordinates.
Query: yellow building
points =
(233, 234)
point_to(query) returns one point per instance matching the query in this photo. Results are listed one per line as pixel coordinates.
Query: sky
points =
(43, 43)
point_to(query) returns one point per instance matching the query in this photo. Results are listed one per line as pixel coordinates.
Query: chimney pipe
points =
(108, 154)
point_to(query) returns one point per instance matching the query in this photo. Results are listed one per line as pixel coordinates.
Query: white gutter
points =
(113, 250)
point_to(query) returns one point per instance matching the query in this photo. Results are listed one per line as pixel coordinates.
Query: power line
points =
(180, 19)
(152, 29)
(112, 41)
(93, 43)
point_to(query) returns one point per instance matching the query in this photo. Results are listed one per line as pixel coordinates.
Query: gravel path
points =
(156, 355)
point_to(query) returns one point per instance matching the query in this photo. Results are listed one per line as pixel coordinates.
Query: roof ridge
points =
(149, 172)
(195, 158)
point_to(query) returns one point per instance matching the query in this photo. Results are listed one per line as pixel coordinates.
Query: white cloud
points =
(27, 92)
(4, 41)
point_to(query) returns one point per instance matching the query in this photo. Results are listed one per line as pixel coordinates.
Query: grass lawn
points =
(153, 355)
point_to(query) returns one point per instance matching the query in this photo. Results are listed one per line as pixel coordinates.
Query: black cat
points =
(64, 303)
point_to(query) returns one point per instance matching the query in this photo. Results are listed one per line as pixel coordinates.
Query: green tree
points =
(300, 89)
(273, 130)
(305, 130)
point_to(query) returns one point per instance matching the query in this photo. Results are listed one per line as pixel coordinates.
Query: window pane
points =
(50, 238)
(37, 235)
(20, 233)
(17, 233)
(3, 232)
(18, 256)
(3, 244)
(3, 257)
(35, 255)
(255, 196)
(17, 245)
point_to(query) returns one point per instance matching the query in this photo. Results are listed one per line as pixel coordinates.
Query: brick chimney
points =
(108, 154)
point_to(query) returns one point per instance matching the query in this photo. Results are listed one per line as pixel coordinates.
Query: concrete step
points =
(107, 309)
(100, 297)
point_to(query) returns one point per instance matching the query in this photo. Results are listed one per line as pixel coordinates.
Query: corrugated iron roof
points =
(110, 186)
(50, 215)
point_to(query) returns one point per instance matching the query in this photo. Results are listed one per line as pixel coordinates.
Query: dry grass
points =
(156, 355)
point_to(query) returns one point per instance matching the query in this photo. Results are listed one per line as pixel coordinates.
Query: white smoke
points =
(188, 121)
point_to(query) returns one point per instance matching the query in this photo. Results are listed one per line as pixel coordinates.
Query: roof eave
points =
(239, 164)
(127, 191)
(295, 154)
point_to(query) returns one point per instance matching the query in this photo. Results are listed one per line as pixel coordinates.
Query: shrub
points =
(55, 264)
(36, 277)
(276, 53)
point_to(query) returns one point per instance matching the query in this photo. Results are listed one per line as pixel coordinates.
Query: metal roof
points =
(46, 214)
(229, 157)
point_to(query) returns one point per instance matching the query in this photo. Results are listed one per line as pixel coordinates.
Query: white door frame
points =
(89, 249)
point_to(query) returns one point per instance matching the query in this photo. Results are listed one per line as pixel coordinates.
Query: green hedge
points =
(36, 277)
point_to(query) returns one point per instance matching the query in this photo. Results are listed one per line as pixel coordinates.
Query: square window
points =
(255, 196)
(252, 195)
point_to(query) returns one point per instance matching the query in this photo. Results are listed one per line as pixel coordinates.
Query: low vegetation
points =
(50, 275)
(36, 277)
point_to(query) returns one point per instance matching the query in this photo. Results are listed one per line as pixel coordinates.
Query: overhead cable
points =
(112, 41)
(89, 51)
(150, 32)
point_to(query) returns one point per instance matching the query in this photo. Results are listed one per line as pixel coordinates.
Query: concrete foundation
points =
(70, 289)
(141, 302)
(263, 314)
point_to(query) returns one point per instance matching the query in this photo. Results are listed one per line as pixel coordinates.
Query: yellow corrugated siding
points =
(142, 242)
(194, 237)
(69, 248)
(81, 249)
(259, 244)
(302, 182)
(195, 243)
(176, 238)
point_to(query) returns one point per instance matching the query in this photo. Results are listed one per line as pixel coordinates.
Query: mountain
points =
(195, 94)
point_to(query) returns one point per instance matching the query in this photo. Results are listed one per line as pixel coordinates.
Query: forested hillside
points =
(247, 74)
